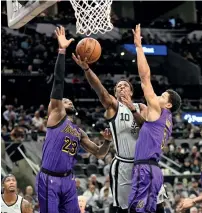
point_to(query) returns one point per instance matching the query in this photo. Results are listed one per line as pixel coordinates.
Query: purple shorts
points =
(145, 188)
(57, 194)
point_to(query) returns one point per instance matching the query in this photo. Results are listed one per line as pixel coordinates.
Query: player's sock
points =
(160, 208)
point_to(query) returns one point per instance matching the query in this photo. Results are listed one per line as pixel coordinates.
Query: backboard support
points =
(18, 15)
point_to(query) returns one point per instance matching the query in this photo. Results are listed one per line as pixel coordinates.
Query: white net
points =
(92, 16)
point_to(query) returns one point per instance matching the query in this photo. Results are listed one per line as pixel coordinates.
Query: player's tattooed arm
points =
(107, 100)
(56, 110)
(145, 75)
(26, 207)
(91, 147)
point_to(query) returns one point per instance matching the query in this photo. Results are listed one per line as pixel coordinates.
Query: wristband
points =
(86, 69)
(107, 141)
(134, 111)
(61, 51)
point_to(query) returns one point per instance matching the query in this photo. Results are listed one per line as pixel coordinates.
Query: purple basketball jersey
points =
(153, 137)
(60, 147)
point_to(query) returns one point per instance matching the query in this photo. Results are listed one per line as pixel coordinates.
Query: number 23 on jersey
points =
(70, 146)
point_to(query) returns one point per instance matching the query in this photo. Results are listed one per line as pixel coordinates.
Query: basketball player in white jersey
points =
(124, 131)
(10, 201)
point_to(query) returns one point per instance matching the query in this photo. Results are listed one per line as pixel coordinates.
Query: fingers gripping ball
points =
(89, 48)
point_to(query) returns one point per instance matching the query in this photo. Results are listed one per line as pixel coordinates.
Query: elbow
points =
(145, 77)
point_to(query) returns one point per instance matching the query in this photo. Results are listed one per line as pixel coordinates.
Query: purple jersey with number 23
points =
(58, 194)
(61, 146)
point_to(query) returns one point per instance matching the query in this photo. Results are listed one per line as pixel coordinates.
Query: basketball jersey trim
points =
(21, 204)
(58, 124)
(116, 182)
(159, 116)
(114, 117)
(115, 135)
(11, 204)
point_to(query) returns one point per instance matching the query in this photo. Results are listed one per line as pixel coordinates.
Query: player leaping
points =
(55, 182)
(147, 176)
(124, 130)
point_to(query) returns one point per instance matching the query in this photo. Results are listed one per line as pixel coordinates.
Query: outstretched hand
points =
(137, 36)
(82, 64)
(63, 42)
(107, 134)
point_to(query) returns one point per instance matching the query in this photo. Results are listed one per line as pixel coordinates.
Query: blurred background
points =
(172, 40)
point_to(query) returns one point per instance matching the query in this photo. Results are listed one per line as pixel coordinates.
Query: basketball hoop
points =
(92, 16)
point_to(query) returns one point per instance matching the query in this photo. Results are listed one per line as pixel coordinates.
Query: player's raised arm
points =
(56, 109)
(145, 76)
(91, 147)
(108, 101)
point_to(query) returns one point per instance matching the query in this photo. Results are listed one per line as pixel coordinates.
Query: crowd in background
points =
(36, 52)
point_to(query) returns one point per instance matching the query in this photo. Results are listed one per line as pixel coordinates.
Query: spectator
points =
(186, 167)
(194, 153)
(42, 111)
(196, 167)
(9, 114)
(91, 196)
(79, 189)
(106, 199)
(195, 188)
(193, 210)
(37, 120)
(82, 203)
(96, 183)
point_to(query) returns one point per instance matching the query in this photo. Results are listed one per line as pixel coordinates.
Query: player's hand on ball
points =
(63, 42)
(82, 64)
(107, 134)
(137, 36)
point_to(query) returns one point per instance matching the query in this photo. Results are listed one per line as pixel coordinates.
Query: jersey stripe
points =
(115, 136)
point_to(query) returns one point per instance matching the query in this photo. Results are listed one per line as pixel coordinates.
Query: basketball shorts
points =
(57, 194)
(121, 181)
(146, 183)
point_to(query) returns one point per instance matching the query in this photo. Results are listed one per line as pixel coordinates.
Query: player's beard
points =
(70, 111)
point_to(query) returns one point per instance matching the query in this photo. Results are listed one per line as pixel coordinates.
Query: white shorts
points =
(121, 182)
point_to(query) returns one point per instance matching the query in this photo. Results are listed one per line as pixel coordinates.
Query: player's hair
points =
(131, 86)
(174, 99)
(4, 179)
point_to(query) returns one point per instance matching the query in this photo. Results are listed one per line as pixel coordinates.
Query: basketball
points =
(89, 48)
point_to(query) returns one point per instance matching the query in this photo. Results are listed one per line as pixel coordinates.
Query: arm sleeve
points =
(59, 73)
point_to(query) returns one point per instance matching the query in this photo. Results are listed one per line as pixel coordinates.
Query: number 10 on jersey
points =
(125, 117)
